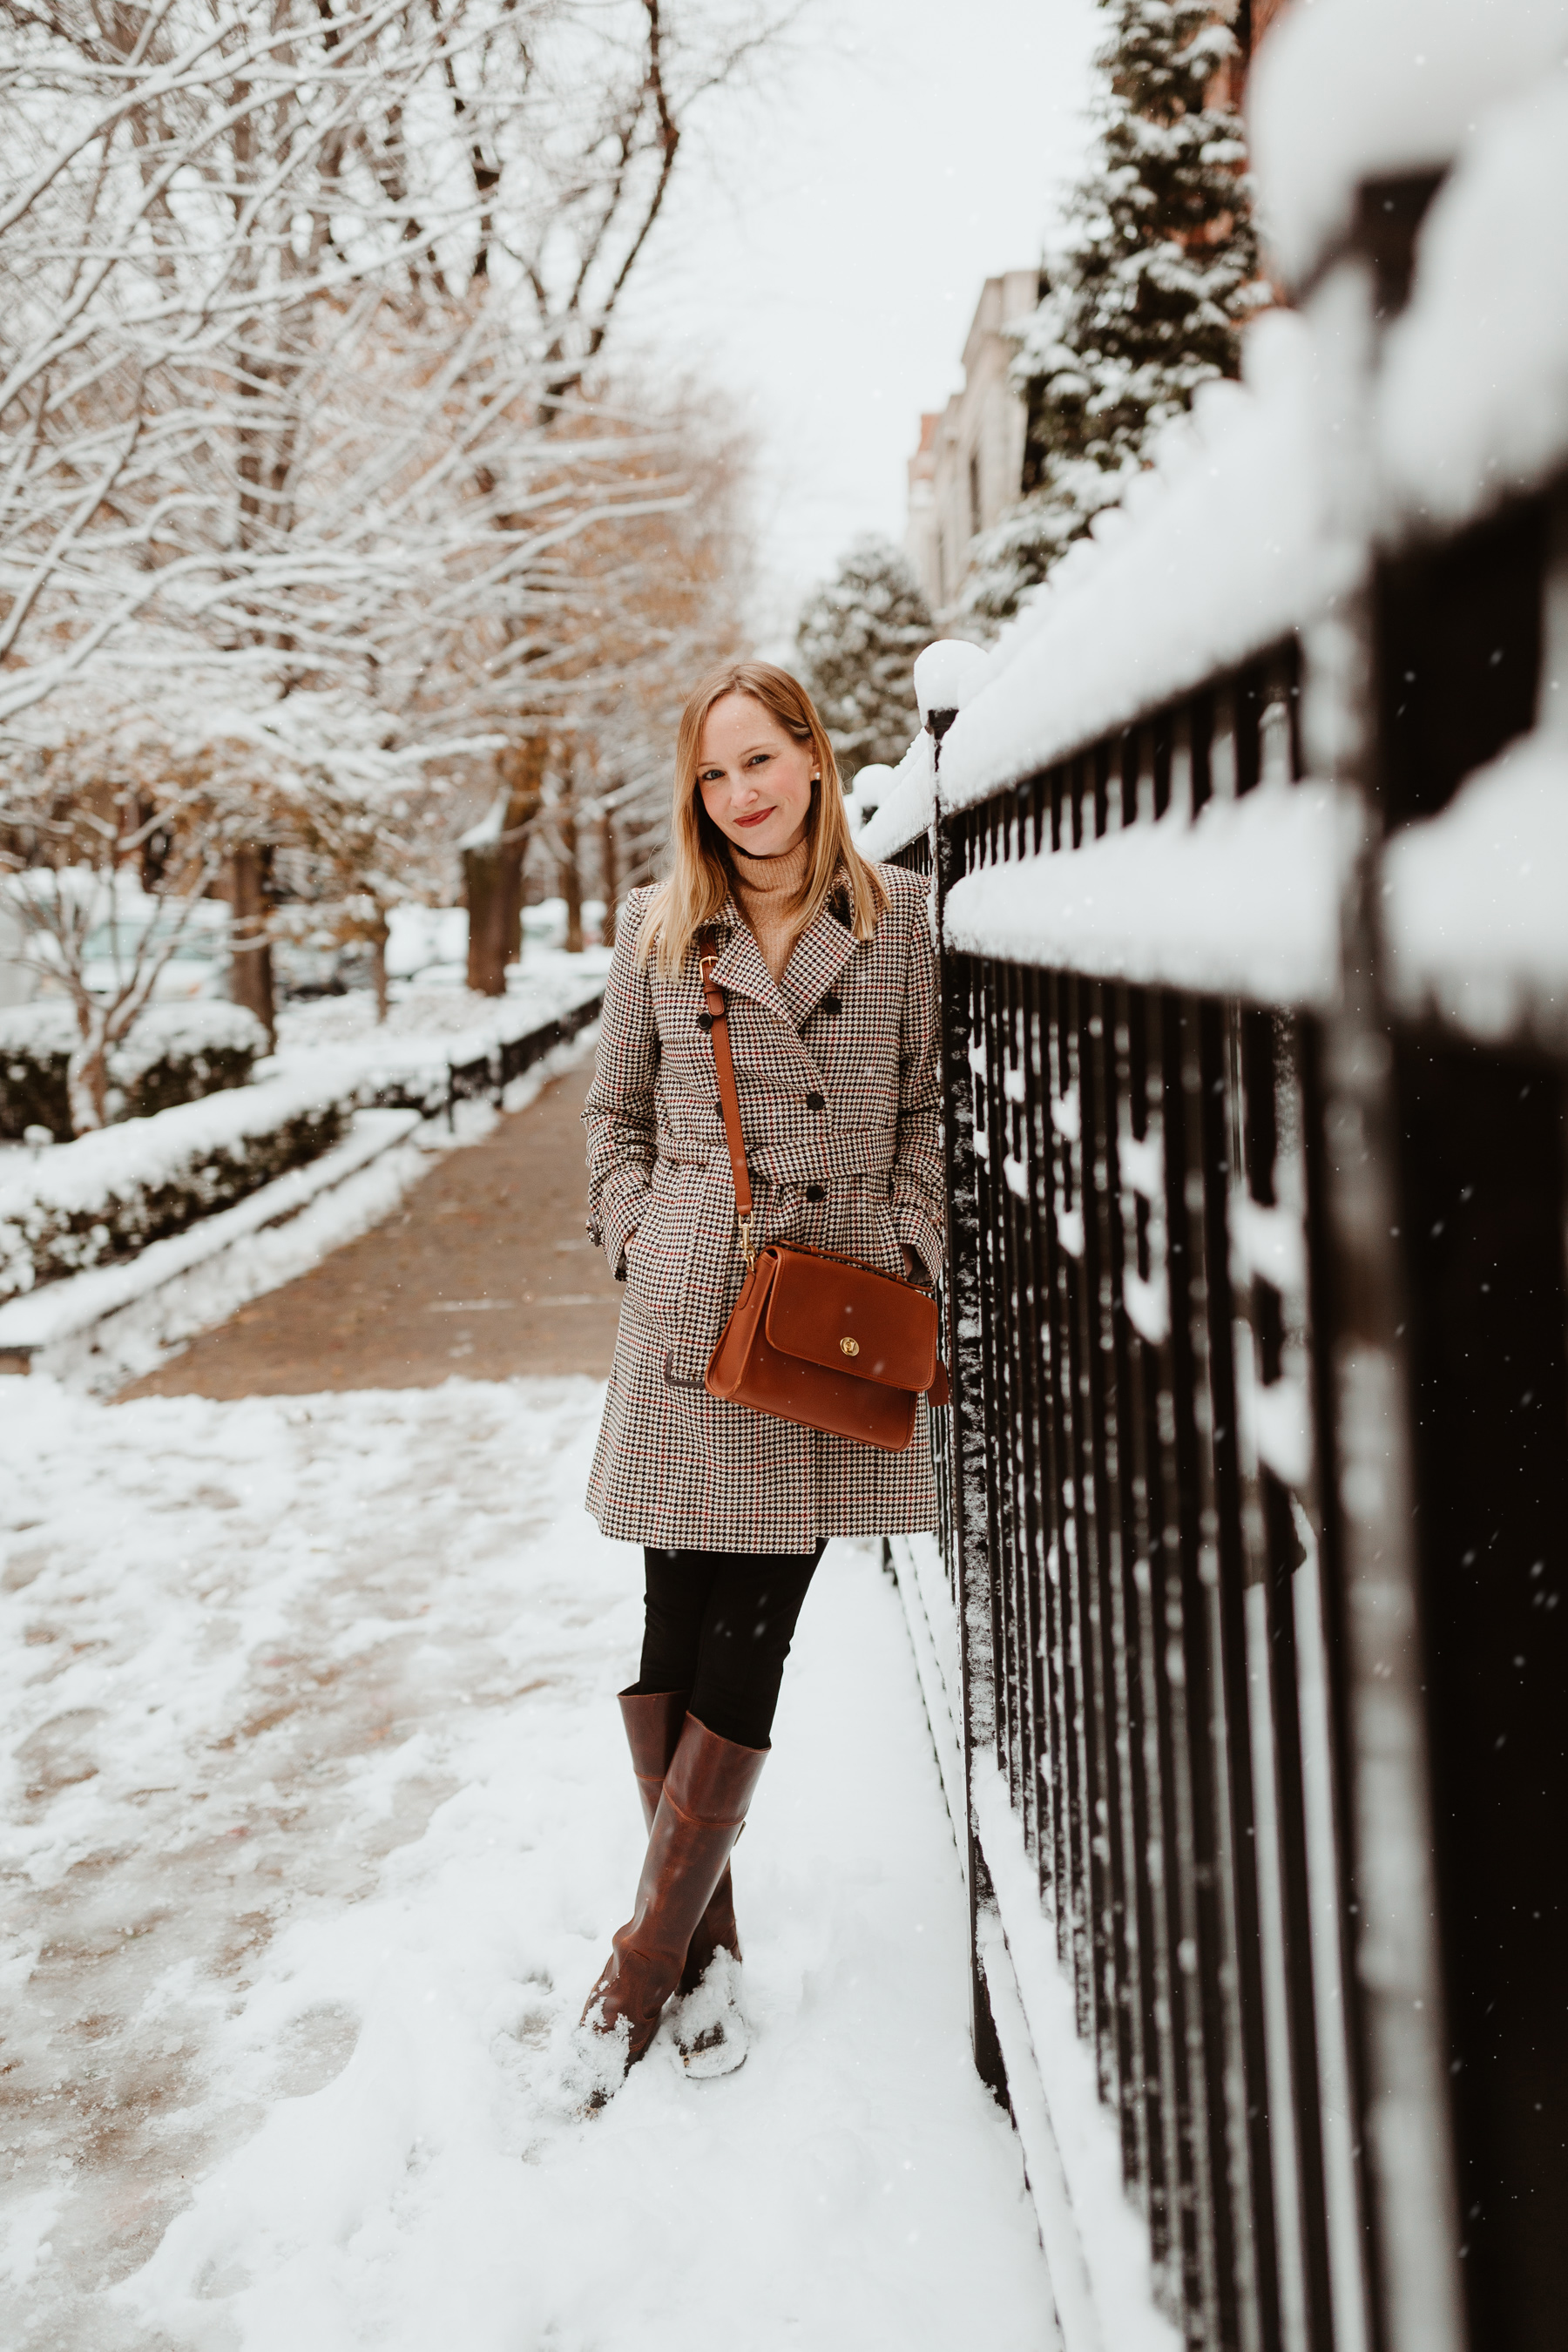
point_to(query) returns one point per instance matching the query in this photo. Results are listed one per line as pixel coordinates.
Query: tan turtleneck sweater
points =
(768, 892)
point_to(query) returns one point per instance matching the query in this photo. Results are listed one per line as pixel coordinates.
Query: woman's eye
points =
(758, 759)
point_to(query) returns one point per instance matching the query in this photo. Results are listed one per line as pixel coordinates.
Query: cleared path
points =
(484, 1272)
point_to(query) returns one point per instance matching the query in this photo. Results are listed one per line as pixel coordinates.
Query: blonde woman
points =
(825, 965)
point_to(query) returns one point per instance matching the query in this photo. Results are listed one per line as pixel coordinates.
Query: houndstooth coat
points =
(837, 1069)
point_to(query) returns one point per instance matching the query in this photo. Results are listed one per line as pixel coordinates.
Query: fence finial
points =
(946, 675)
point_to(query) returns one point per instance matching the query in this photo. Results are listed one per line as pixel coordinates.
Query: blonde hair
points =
(700, 881)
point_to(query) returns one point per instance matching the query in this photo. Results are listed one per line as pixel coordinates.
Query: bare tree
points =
(297, 310)
(84, 802)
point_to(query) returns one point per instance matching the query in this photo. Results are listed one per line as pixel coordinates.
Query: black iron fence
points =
(488, 1078)
(1255, 1509)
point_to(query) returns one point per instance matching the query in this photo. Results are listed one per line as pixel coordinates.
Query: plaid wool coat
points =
(837, 1069)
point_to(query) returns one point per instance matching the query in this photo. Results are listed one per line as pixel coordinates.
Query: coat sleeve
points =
(619, 1113)
(919, 1199)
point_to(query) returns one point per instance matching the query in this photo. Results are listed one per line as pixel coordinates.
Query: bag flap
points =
(849, 1320)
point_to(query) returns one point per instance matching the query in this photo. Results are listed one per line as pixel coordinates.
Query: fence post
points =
(972, 1562)
(1374, 1579)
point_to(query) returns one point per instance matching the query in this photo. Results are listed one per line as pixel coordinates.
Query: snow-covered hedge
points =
(108, 1195)
(175, 1053)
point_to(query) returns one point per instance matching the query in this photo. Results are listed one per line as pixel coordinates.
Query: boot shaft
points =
(653, 1721)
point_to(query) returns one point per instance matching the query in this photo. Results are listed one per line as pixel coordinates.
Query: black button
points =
(831, 1005)
(814, 1102)
(719, 1109)
(705, 1021)
(815, 1193)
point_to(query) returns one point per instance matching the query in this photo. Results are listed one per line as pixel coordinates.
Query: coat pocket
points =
(869, 1232)
(659, 1255)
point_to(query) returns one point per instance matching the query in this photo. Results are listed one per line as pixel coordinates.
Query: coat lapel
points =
(819, 956)
(741, 971)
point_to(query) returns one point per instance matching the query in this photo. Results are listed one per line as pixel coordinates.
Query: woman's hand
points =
(914, 1270)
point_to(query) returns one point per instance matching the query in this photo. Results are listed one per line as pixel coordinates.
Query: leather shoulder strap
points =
(724, 1070)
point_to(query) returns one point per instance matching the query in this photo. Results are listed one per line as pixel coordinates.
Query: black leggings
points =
(718, 1627)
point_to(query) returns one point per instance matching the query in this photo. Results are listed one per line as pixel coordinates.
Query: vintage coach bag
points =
(817, 1339)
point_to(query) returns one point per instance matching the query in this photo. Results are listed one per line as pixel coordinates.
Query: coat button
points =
(815, 1102)
(815, 1193)
(831, 1005)
(705, 1021)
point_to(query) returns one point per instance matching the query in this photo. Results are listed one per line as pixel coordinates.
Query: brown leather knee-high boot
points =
(701, 1807)
(653, 1721)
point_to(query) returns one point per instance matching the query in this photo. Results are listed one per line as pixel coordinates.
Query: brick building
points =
(967, 470)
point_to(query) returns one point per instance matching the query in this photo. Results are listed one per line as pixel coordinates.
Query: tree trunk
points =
(483, 886)
(378, 939)
(492, 869)
(87, 1077)
(250, 978)
(609, 880)
(156, 845)
(571, 864)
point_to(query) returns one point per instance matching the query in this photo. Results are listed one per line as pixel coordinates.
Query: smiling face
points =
(755, 780)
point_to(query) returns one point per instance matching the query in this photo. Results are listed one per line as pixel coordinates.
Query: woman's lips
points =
(761, 817)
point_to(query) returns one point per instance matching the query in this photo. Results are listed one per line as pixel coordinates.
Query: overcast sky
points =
(824, 249)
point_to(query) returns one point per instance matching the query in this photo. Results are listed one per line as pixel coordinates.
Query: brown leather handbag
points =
(820, 1340)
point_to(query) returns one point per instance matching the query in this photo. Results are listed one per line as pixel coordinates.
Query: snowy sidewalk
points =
(317, 1822)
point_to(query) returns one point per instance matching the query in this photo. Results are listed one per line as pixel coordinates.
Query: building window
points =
(974, 492)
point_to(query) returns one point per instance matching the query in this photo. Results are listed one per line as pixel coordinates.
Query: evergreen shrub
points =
(112, 1194)
(856, 645)
(175, 1053)
(1146, 300)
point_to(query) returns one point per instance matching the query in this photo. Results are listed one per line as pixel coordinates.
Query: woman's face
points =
(755, 780)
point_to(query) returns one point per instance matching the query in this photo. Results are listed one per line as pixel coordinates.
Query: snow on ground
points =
(439, 1005)
(98, 1331)
(317, 1818)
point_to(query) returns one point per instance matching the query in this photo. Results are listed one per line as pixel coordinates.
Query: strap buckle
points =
(743, 1219)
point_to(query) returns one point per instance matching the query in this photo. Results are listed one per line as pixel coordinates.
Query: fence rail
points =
(1242, 1647)
(488, 1076)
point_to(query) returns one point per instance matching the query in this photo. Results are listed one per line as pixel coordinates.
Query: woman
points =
(826, 966)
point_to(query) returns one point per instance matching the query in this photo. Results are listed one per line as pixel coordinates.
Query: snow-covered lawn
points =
(316, 1820)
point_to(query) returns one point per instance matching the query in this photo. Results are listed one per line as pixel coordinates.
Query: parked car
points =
(197, 967)
(123, 920)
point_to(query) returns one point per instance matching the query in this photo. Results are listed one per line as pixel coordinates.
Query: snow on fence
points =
(1242, 1646)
